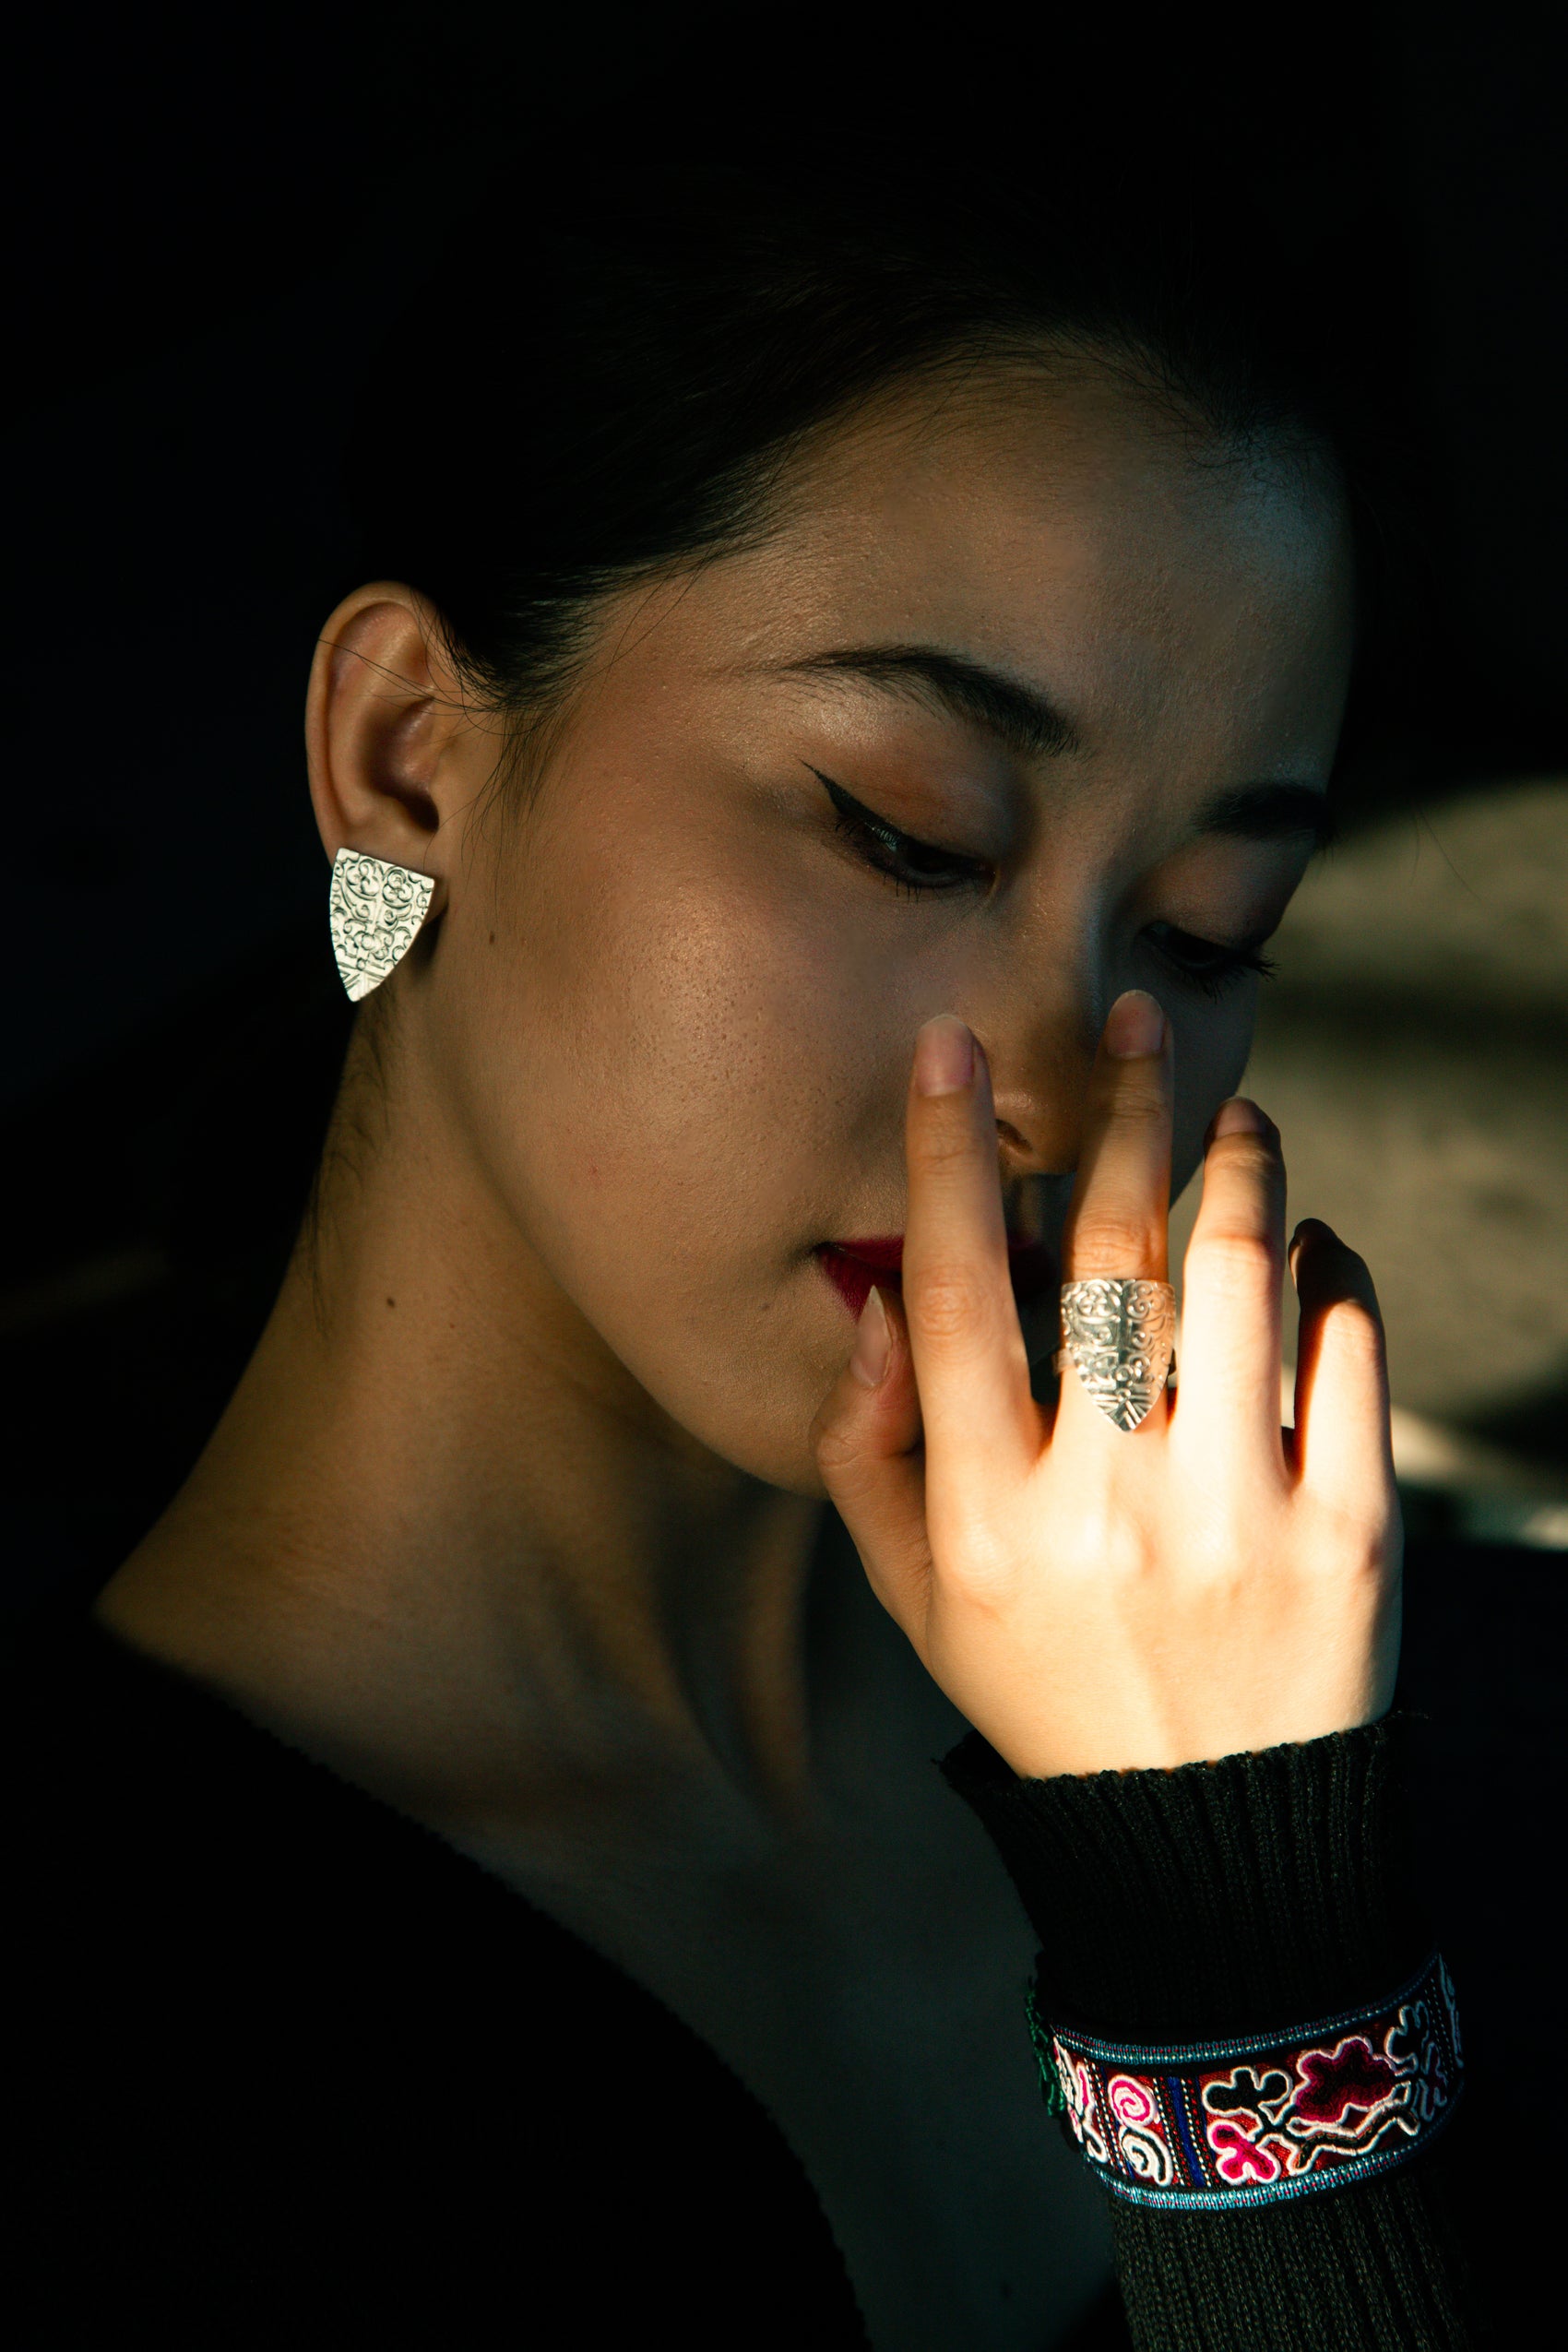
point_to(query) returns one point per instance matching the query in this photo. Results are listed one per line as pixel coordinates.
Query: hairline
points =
(534, 730)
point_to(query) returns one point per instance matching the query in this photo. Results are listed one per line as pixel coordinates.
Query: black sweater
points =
(285, 2069)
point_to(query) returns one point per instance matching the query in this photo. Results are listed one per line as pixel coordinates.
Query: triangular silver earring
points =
(375, 910)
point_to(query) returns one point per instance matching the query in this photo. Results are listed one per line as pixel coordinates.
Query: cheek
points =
(701, 1059)
(691, 1075)
(1213, 1042)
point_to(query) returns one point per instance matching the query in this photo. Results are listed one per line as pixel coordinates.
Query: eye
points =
(913, 866)
(1203, 962)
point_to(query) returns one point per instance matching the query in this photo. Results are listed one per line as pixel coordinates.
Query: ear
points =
(382, 714)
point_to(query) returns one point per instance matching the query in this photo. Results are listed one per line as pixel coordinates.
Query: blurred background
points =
(1413, 1047)
(210, 218)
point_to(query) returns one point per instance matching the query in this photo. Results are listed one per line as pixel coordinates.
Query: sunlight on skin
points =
(512, 1518)
(1092, 1600)
(652, 1052)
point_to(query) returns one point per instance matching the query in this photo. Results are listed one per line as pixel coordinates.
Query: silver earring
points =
(375, 911)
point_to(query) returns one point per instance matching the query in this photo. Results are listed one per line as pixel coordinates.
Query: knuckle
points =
(949, 1302)
(859, 1477)
(1113, 1241)
(944, 1138)
(1136, 1102)
(1234, 1260)
(836, 1447)
(1373, 1561)
(976, 1568)
(1361, 1546)
(1125, 1554)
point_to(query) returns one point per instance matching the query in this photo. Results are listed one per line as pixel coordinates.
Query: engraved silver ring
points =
(1119, 1335)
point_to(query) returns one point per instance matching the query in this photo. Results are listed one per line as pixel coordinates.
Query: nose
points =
(1041, 1060)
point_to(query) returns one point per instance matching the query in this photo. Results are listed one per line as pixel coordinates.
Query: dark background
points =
(209, 219)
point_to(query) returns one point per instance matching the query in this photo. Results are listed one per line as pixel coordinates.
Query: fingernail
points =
(874, 1343)
(945, 1056)
(1136, 1026)
(1239, 1117)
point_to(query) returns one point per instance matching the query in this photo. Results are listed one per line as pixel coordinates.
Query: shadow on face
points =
(1028, 695)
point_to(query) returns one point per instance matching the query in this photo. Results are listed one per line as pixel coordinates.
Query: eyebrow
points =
(1018, 715)
(1027, 721)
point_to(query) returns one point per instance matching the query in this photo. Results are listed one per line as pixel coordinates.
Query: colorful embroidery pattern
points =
(1215, 2124)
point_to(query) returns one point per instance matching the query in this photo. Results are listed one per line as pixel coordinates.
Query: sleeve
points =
(1188, 1921)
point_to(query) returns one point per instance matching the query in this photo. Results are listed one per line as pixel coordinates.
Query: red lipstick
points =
(853, 1266)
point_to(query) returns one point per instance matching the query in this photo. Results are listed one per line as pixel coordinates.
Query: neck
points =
(444, 1541)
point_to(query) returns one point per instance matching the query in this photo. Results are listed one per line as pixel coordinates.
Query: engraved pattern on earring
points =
(375, 911)
(1118, 1336)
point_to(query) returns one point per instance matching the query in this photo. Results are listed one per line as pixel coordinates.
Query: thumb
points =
(866, 1438)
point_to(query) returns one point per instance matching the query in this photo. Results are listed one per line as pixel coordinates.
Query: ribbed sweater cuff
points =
(1227, 1898)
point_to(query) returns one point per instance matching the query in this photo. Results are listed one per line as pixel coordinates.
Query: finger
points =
(1229, 1390)
(1342, 1435)
(866, 1440)
(1117, 1217)
(980, 1423)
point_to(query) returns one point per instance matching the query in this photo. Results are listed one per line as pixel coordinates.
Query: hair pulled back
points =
(612, 363)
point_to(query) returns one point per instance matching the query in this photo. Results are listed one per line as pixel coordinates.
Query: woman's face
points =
(1025, 701)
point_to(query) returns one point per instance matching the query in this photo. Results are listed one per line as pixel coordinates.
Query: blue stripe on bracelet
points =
(1174, 2086)
(1206, 2126)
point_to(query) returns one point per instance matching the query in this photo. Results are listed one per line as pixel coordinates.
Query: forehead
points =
(1058, 526)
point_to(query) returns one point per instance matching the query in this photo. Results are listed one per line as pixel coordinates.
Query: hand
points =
(1090, 1599)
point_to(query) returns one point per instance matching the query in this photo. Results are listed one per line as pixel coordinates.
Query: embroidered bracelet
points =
(1215, 2124)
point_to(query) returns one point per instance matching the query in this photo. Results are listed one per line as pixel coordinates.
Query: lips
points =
(853, 1266)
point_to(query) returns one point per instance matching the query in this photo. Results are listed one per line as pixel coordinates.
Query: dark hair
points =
(631, 356)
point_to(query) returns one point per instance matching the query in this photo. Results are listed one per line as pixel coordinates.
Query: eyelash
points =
(1221, 966)
(1202, 963)
(896, 854)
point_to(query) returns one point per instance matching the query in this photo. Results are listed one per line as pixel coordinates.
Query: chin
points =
(776, 1446)
(757, 1412)
(779, 1457)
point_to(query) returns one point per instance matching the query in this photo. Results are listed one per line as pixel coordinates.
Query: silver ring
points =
(1118, 1335)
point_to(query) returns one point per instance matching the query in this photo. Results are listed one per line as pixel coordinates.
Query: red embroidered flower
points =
(1275, 2118)
(1333, 2081)
(1236, 2159)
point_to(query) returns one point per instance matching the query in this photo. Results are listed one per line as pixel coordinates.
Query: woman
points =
(845, 696)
